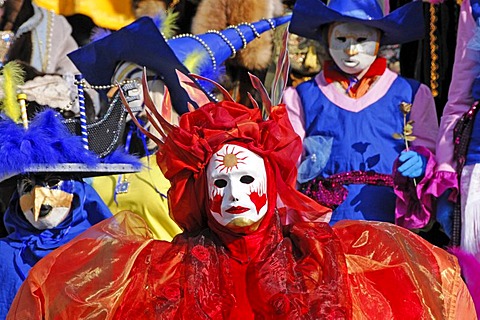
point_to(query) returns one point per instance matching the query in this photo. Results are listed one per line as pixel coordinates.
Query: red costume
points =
(287, 268)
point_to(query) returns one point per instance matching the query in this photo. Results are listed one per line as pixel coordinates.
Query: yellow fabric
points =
(110, 14)
(141, 198)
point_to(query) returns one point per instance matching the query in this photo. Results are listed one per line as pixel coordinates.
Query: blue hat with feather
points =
(142, 43)
(47, 146)
(402, 25)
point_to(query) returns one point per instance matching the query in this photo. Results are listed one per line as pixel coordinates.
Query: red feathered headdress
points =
(184, 153)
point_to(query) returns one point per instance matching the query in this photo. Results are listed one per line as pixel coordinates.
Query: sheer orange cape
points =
(357, 270)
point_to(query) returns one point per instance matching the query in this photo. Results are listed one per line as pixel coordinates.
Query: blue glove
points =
(445, 212)
(413, 164)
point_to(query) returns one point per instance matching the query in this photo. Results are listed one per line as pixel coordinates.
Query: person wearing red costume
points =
(252, 248)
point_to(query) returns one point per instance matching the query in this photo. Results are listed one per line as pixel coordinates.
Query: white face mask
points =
(353, 46)
(237, 186)
(53, 219)
(44, 207)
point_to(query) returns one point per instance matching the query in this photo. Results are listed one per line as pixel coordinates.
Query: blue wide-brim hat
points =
(402, 25)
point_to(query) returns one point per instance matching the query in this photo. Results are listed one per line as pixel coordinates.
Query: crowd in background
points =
(392, 140)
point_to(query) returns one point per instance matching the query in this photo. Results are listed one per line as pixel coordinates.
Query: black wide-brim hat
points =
(142, 41)
(402, 25)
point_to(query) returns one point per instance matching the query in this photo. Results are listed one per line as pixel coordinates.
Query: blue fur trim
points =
(119, 156)
(46, 141)
(210, 73)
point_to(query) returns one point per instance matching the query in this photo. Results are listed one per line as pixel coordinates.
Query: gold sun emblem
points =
(229, 160)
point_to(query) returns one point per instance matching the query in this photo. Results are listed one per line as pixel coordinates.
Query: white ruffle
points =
(470, 204)
(51, 90)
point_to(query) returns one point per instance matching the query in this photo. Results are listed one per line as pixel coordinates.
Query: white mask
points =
(353, 46)
(237, 187)
(44, 207)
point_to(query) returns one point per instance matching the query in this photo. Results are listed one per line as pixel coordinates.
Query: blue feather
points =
(118, 156)
(47, 141)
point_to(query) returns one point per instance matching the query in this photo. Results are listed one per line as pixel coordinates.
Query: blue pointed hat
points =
(221, 45)
(142, 43)
(402, 25)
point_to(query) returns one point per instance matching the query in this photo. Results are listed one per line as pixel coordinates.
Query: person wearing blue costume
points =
(51, 204)
(361, 122)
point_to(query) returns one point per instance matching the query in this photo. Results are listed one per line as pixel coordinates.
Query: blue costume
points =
(51, 204)
(351, 152)
(368, 147)
(356, 116)
(25, 245)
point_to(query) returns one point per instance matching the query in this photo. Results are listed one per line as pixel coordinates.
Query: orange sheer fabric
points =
(399, 275)
(358, 270)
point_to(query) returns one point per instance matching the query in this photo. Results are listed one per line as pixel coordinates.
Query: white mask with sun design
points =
(237, 187)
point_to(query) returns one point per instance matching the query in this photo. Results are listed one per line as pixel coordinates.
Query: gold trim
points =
(433, 51)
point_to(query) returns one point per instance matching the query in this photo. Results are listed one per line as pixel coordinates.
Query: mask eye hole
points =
(220, 183)
(25, 185)
(361, 39)
(53, 182)
(342, 39)
(247, 179)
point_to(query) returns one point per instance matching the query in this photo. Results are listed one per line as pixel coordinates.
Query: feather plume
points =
(266, 102)
(192, 89)
(134, 118)
(119, 156)
(190, 107)
(214, 74)
(99, 33)
(46, 141)
(167, 106)
(168, 23)
(194, 61)
(223, 91)
(161, 125)
(152, 109)
(281, 71)
(253, 101)
(198, 62)
(13, 76)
